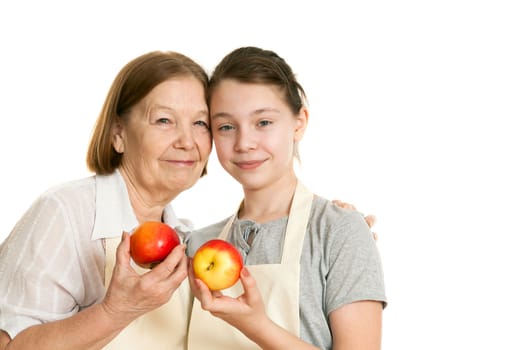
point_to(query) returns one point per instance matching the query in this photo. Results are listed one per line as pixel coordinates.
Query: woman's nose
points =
(184, 138)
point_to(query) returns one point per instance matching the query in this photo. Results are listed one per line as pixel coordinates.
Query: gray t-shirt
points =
(340, 263)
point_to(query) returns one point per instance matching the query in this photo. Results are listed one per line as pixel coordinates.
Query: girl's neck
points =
(269, 203)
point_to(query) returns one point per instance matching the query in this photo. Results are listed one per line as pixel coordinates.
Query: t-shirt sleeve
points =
(202, 235)
(355, 272)
(36, 264)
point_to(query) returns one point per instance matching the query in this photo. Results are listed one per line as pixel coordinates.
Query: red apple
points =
(151, 242)
(218, 264)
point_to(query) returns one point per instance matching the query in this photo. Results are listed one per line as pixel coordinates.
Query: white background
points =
(416, 116)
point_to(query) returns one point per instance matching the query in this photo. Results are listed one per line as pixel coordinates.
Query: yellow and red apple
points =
(218, 264)
(151, 242)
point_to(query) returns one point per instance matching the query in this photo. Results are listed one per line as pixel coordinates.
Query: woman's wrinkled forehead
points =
(178, 95)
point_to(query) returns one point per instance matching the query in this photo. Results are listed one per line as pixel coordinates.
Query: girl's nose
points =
(245, 141)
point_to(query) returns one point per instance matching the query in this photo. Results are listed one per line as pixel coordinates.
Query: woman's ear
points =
(117, 138)
(301, 121)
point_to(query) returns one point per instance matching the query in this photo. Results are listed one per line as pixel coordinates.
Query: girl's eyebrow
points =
(220, 115)
(265, 110)
(255, 112)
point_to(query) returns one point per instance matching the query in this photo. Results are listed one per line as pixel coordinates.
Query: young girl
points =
(313, 277)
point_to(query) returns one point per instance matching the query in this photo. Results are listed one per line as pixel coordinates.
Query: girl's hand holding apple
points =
(218, 264)
(245, 312)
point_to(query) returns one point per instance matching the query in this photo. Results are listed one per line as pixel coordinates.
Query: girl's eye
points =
(225, 127)
(265, 123)
(202, 123)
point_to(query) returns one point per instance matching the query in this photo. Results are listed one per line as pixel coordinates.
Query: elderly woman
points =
(64, 282)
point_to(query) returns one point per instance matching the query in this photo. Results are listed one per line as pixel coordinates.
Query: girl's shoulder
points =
(202, 235)
(323, 210)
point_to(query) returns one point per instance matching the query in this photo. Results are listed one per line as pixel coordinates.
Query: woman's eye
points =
(265, 123)
(202, 123)
(163, 121)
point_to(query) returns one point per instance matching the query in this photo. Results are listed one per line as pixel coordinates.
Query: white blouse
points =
(52, 263)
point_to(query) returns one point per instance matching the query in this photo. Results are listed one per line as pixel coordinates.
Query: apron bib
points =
(277, 283)
(161, 329)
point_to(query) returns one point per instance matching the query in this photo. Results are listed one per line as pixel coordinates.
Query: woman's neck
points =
(144, 206)
(269, 203)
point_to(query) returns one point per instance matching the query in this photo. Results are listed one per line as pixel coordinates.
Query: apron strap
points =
(297, 224)
(295, 228)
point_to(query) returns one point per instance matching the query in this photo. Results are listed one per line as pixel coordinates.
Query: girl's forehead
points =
(242, 90)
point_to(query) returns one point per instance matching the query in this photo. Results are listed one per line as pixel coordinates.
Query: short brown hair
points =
(134, 81)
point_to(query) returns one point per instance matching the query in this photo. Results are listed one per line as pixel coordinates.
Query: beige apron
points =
(278, 284)
(161, 329)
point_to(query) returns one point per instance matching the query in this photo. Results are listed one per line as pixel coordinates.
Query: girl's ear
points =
(117, 137)
(301, 122)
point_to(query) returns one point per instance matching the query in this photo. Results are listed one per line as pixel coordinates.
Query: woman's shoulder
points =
(71, 186)
(70, 193)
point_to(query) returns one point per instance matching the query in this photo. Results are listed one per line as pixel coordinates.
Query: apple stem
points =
(210, 266)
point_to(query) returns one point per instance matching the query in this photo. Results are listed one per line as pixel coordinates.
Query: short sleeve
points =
(355, 271)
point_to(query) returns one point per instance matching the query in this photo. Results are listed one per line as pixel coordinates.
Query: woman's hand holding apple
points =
(131, 295)
(151, 242)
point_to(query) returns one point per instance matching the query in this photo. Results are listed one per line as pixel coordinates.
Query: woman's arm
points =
(91, 328)
(129, 296)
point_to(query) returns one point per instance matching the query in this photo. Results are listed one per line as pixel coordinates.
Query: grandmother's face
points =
(166, 140)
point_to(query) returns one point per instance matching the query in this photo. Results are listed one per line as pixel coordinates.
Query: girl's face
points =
(254, 132)
(165, 142)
